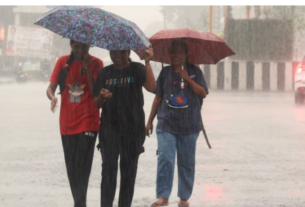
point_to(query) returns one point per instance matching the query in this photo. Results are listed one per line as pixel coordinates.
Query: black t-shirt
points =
(123, 112)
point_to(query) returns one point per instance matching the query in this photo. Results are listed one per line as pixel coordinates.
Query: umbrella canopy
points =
(94, 26)
(203, 47)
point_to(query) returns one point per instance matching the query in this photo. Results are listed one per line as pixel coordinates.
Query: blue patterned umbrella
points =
(94, 26)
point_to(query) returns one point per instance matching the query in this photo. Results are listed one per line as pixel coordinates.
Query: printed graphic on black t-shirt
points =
(118, 82)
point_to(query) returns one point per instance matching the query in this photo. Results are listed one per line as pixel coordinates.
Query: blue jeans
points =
(185, 145)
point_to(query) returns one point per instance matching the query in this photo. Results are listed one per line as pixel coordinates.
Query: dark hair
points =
(64, 72)
(178, 42)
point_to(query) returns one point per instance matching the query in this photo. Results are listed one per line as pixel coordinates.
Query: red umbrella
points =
(203, 47)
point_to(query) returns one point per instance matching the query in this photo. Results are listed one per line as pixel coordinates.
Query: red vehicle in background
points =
(299, 83)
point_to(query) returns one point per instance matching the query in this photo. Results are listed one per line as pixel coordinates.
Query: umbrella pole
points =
(182, 81)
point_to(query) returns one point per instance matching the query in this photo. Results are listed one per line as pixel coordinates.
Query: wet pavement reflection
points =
(257, 156)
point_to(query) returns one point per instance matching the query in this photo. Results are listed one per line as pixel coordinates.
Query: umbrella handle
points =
(182, 84)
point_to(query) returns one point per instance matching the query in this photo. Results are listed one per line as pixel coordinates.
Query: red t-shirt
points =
(77, 110)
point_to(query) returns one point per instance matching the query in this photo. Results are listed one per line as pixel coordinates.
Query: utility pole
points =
(225, 11)
(211, 18)
(164, 17)
(248, 11)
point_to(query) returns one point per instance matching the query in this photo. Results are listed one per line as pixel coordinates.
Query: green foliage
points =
(260, 39)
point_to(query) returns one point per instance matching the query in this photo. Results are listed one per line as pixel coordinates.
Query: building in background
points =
(208, 18)
(25, 42)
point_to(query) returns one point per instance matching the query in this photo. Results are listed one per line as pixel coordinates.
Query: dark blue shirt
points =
(179, 120)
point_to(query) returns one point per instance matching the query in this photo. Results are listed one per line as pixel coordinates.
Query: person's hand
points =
(53, 104)
(149, 129)
(184, 74)
(148, 54)
(86, 62)
(105, 93)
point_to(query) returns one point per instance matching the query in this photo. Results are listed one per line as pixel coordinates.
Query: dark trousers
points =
(112, 147)
(78, 151)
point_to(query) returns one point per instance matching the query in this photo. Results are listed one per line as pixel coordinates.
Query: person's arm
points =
(150, 83)
(154, 109)
(51, 95)
(90, 78)
(101, 98)
(99, 101)
(197, 89)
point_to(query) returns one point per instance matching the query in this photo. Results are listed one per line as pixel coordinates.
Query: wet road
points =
(257, 156)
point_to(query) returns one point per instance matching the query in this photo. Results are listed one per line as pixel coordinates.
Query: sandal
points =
(160, 202)
(183, 203)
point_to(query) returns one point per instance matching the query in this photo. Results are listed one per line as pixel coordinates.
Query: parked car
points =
(299, 83)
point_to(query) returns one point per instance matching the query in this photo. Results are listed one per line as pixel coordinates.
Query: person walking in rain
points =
(79, 118)
(118, 91)
(180, 90)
